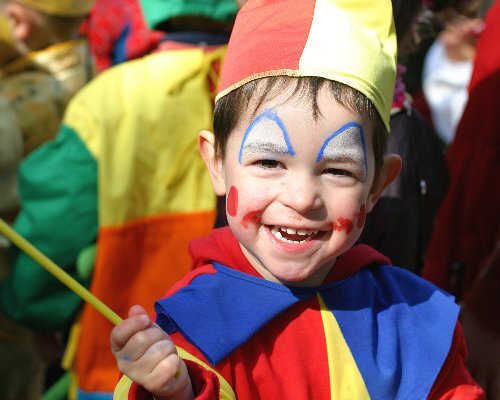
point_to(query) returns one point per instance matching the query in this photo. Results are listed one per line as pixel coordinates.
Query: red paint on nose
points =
(342, 224)
(362, 216)
(232, 202)
(253, 217)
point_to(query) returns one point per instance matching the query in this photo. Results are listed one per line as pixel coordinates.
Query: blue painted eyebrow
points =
(339, 131)
(273, 116)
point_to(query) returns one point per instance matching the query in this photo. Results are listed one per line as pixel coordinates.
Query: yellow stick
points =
(58, 272)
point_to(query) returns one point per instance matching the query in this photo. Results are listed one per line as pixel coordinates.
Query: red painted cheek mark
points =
(361, 216)
(342, 224)
(232, 202)
(253, 217)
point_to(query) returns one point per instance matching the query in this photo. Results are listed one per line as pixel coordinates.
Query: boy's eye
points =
(339, 172)
(268, 164)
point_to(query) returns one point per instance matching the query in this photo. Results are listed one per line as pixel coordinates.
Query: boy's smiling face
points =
(298, 187)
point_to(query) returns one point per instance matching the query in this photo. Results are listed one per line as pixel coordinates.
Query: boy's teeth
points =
(280, 231)
(302, 232)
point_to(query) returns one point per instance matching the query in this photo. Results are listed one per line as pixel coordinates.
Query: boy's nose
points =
(302, 195)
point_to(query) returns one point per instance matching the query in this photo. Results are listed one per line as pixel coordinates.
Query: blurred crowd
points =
(99, 166)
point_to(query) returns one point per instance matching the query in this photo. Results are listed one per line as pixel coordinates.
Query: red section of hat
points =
(267, 36)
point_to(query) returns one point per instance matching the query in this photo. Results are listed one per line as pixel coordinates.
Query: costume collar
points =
(212, 313)
(392, 321)
(218, 312)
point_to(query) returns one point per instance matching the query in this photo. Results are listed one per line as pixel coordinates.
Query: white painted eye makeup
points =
(266, 134)
(347, 144)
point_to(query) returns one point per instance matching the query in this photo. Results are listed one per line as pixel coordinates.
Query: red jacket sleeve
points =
(454, 381)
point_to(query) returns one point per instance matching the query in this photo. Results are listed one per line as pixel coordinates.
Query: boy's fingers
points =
(145, 364)
(165, 379)
(136, 310)
(142, 342)
(160, 350)
(122, 333)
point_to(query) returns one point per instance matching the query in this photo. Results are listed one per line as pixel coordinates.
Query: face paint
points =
(266, 134)
(232, 202)
(6, 35)
(342, 224)
(253, 217)
(295, 216)
(346, 145)
(362, 216)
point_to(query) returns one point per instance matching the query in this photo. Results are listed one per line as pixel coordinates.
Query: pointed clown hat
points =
(349, 41)
(62, 8)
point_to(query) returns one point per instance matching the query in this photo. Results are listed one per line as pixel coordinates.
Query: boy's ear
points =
(389, 171)
(214, 164)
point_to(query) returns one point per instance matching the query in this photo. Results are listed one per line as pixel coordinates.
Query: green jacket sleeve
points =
(58, 188)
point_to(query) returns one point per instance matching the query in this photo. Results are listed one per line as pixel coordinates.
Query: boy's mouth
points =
(291, 235)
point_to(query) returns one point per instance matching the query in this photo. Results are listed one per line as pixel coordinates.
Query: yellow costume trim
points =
(69, 358)
(122, 388)
(225, 392)
(70, 351)
(346, 381)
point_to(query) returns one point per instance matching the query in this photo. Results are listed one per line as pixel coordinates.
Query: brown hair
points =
(230, 108)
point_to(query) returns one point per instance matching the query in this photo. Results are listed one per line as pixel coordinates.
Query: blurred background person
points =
(401, 222)
(117, 31)
(43, 62)
(448, 67)
(463, 254)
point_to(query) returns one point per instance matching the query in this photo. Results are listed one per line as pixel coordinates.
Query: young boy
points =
(282, 304)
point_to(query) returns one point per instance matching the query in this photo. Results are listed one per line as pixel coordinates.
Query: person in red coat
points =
(463, 254)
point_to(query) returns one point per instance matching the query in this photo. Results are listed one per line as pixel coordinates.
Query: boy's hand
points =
(147, 355)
